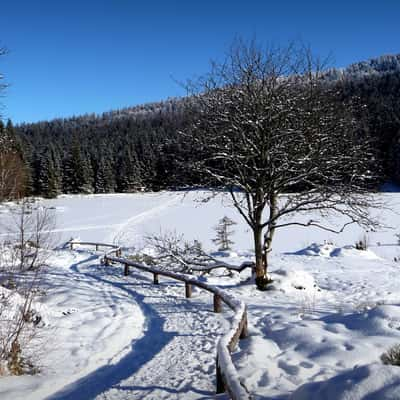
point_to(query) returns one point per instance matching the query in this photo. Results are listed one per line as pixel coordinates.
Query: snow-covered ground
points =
(318, 333)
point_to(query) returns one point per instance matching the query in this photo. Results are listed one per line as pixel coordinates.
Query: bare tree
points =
(20, 259)
(12, 170)
(171, 251)
(31, 232)
(12, 175)
(267, 123)
(3, 85)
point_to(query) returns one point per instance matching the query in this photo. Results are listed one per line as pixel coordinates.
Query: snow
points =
(372, 382)
(79, 335)
(319, 331)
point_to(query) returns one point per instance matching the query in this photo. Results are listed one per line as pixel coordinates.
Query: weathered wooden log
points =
(217, 303)
(220, 385)
(188, 290)
(126, 269)
(155, 279)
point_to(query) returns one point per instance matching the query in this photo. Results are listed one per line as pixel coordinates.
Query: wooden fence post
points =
(245, 331)
(155, 279)
(220, 382)
(71, 246)
(188, 290)
(126, 270)
(106, 261)
(217, 303)
(97, 247)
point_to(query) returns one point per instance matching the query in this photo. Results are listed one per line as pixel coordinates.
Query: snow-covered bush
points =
(362, 243)
(172, 251)
(18, 323)
(392, 356)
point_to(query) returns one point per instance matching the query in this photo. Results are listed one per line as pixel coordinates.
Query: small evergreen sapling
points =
(224, 233)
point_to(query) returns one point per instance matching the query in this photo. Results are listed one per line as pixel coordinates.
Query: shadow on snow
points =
(142, 350)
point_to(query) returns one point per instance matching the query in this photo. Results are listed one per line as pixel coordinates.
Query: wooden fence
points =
(227, 377)
(112, 247)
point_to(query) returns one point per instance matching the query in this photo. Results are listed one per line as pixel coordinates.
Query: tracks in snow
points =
(123, 230)
(185, 366)
(174, 359)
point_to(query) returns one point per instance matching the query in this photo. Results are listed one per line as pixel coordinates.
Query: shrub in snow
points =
(142, 258)
(392, 356)
(171, 251)
(21, 259)
(18, 323)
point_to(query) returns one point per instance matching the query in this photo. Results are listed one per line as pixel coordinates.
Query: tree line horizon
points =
(140, 148)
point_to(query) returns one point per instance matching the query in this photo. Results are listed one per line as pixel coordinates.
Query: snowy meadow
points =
(319, 332)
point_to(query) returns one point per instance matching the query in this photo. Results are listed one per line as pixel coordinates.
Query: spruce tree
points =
(128, 173)
(224, 233)
(77, 172)
(49, 174)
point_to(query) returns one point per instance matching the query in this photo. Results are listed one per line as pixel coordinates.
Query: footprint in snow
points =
(69, 311)
(306, 364)
(288, 368)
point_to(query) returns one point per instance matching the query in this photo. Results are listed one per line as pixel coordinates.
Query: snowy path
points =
(185, 333)
(175, 357)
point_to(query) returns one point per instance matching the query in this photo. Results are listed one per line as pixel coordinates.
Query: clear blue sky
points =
(72, 57)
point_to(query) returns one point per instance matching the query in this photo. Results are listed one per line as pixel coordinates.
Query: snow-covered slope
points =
(86, 322)
(321, 329)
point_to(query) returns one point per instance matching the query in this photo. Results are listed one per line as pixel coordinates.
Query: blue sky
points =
(74, 57)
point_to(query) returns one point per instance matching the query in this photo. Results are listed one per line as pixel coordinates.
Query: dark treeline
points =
(121, 151)
(140, 148)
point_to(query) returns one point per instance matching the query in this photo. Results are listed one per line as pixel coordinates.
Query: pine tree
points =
(128, 173)
(103, 173)
(224, 233)
(77, 172)
(49, 175)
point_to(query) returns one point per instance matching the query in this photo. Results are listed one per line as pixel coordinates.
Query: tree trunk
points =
(261, 265)
(269, 234)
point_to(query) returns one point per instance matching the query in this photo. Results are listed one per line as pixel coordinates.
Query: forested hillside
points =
(140, 148)
(120, 151)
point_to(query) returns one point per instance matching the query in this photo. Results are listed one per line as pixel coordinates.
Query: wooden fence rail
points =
(227, 377)
(112, 247)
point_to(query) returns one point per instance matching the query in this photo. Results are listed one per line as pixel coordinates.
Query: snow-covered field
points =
(318, 333)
